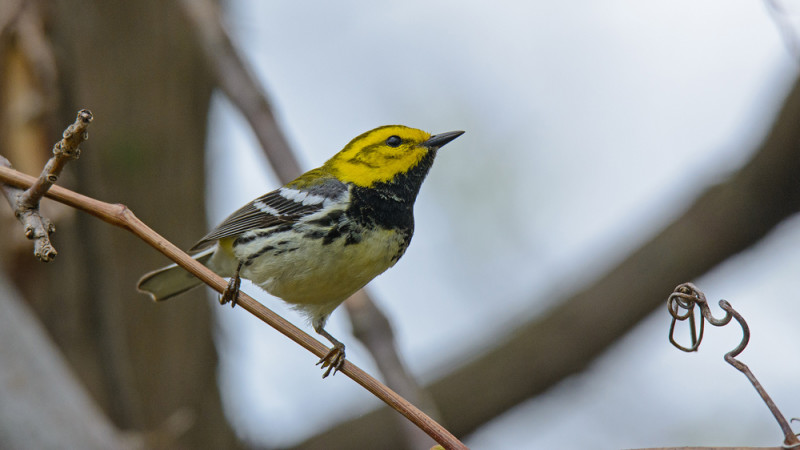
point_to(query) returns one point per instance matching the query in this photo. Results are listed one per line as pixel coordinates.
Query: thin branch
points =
(64, 151)
(26, 204)
(119, 215)
(685, 297)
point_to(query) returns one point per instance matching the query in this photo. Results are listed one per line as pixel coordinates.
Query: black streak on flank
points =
(316, 234)
(333, 234)
(352, 238)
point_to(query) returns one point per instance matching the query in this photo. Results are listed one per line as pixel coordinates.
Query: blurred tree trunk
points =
(136, 66)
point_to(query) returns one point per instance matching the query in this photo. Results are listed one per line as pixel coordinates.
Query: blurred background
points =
(612, 150)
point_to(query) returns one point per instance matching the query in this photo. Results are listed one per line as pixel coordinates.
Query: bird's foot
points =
(231, 293)
(334, 360)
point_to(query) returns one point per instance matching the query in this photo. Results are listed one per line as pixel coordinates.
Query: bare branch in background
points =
(26, 204)
(64, 150)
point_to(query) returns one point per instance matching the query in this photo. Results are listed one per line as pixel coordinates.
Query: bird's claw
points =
(231, 293)
(334, 360)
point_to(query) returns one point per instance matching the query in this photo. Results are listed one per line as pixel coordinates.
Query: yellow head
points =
(381, 154)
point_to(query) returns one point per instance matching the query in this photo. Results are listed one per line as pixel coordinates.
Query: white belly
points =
(316, 276)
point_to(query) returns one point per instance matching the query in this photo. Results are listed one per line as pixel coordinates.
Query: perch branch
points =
(120, 216)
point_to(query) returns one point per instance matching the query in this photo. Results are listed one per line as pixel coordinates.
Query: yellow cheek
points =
(366, 170)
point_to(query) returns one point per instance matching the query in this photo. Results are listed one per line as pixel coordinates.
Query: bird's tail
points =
(167, 282)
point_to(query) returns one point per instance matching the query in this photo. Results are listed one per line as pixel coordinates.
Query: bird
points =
(323, 236)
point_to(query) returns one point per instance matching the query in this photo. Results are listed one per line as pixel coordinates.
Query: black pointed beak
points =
(439, 140)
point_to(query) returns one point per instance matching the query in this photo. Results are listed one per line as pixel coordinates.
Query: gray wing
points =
(279, 207)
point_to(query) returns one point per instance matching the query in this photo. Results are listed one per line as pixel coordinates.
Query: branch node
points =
(73, 136)
(44, 250)
(26, 204)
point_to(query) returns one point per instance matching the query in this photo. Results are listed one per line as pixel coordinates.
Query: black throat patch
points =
(390, 204)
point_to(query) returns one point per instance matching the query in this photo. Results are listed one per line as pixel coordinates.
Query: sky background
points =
(589, 125)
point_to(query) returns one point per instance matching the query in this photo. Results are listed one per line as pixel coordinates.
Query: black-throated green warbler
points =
(323, 236)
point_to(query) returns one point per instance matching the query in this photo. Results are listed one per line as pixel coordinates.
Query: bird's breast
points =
(321, 260)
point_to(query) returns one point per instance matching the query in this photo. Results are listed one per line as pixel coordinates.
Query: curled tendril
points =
(685, 297)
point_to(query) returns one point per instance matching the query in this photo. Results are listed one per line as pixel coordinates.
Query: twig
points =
(65, 150)
(686, 296)
(119, 215)
(26, 204)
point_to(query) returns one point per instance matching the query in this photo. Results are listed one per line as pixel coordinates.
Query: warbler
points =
(320, 238)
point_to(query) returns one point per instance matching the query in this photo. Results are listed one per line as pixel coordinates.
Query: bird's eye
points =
(394, 141)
